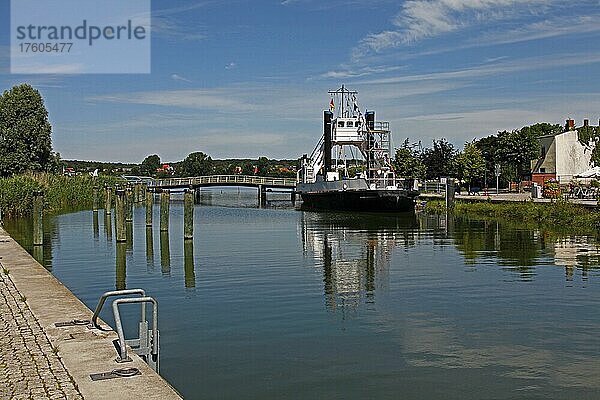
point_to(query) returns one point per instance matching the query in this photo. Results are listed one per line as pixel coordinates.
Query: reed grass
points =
(559, 216)
(61, 193)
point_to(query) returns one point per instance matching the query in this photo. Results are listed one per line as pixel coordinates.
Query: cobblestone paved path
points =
(30, 368)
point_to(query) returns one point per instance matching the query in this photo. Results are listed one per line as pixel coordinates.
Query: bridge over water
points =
(262, 183)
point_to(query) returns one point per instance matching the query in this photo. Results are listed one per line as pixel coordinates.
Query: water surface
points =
(277, 303)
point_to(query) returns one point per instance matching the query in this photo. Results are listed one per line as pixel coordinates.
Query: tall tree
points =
(516, 150)
(589, 137)
(25, 142)
(196, 164)
(407, 163)
(439, 159)
(541, 129)
(150, 165)
(489, 150)
(470, 164)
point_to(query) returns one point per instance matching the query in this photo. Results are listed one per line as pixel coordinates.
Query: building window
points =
(341, 124)
(542, 170)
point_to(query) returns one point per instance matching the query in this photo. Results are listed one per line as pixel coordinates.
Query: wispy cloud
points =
(357, 72)
(497, 68)
(231, 65)
(422, 19)
(208, 99)
(51, 68)
(177, 77)
(541, 30)
(169, 23)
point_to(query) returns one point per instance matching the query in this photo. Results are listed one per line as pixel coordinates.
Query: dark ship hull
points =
(367, 200)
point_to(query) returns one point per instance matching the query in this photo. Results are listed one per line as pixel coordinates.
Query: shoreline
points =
(43, 301)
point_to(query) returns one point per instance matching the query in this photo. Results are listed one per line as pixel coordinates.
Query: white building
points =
(562, 156)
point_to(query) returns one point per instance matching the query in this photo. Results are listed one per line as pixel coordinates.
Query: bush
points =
(60, 192)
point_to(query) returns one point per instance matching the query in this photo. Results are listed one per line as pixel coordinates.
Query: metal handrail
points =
(111, 293)
(122, 344)
(199, 180)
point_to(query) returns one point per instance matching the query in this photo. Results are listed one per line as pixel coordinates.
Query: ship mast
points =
(344, 93)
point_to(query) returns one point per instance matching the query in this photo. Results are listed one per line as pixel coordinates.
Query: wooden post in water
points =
(137, 190)
(95, 199)
(165, 253)
(262, 196)
(188, 214)
(95, 224)
(128, 205)
(149, 246)
(164, 210)
(121, 266)
(188, 264)
(120, 215)
(149, 205)
(449, 193)
(38, 212)
(107, 199)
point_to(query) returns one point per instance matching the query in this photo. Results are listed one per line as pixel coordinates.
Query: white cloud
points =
(497, 68)
(177, 77)
(50, 68)
(208, 99)
(422, 19)
(166, 23)
(231, 65)
(349, 72)
(541, 30)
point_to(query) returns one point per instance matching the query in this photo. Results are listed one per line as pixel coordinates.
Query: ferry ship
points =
(350, 168)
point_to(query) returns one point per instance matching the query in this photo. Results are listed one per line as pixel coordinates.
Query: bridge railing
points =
(224, 179)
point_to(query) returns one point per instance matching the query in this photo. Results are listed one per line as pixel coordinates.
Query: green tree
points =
(516, 150)
(470, 164)
(196, 164)
(262, 166)
(589, 137)
(542, 129)
(489, 150)
(439, 160)
(25, 142)
(407, 163)
(150, 165)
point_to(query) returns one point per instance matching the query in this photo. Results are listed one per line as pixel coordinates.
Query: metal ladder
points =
(146, 345)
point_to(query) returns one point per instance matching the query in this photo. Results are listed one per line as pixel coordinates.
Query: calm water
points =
(276, 303)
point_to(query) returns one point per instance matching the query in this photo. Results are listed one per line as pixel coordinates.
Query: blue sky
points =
(250, 78)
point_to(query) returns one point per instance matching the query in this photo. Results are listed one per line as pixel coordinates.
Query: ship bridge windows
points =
(341, 124)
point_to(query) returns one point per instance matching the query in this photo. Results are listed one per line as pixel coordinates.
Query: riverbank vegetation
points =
(559, 216)
(60, 192)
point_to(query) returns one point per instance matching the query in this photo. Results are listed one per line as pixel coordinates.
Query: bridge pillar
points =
(293, 197)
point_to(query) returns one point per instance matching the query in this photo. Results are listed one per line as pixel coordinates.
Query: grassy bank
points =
(560, 216)
(60, 192)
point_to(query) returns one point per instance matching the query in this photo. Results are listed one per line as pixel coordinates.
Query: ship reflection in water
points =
(355, 251)
(355, 257)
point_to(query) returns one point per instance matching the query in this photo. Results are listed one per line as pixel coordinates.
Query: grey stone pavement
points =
(39, 360)
(30, 367)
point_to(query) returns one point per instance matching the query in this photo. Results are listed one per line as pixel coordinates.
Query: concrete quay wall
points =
(40, 360)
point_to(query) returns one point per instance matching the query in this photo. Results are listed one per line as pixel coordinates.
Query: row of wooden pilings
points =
(124, 199)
